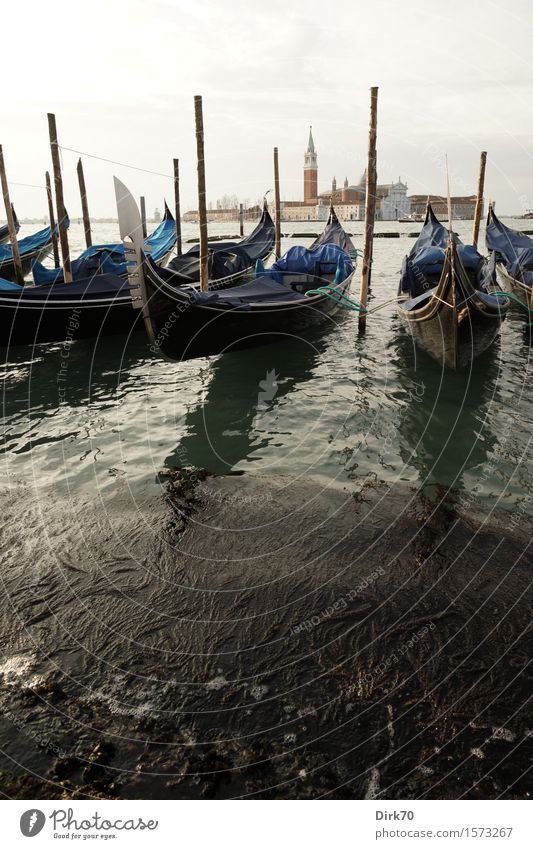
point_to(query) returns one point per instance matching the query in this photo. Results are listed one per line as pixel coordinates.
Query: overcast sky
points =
(454, 77)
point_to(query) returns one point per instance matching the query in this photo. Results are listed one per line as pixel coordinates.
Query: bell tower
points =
(310, 171)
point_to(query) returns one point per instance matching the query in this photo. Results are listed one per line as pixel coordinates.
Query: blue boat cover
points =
(323, 259)
(29, 244)
(268, 287)
(109, 258)
(514, 248)
(424, 263)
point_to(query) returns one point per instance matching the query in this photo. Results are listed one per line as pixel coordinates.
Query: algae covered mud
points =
(298, 571)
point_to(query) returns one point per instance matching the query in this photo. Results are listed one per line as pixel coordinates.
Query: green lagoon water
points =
(332, 406)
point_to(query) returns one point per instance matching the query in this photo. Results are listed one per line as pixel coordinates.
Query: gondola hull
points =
(181, 331)
(455, 323)
(55, 318)
(520, 289)
(453, 337)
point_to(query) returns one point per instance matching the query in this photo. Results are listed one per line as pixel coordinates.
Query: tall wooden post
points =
(84, 205)
(241, 220)
(370, 205)
(60, 202)
(143, 217)
(479, 199)
(277, 204)
(177, 206)
(19, 276)
(202, 211)
(51, 217)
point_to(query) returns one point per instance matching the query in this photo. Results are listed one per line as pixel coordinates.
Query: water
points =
(330, 406)
(345, 615)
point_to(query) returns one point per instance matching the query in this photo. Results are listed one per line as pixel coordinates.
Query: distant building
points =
(157, 216)
(251, 213)
(310, 172)
(462, 207)
(392, 201)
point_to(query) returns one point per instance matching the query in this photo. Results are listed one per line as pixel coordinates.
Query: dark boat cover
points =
(514, 248)
(4, 230)
(109, 259)
(228, 258)
(334, 235)
(268, 286)
(426, 258)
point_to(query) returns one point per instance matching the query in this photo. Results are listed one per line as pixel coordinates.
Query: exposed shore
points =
(248, 636)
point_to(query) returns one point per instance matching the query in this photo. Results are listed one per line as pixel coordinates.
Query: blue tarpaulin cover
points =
(320, 260)
(423, 265)
(514, 248)
(109, 258)
(28, 245)
(269, 287)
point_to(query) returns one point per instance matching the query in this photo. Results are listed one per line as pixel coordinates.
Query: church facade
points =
(349, 201)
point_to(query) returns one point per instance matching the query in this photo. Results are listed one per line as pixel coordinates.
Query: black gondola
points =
(446, 302)
(228, 262)
(4, 229)
(514, 255)
(97, 306)
(183, 322)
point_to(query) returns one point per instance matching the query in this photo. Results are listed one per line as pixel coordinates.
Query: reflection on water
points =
(330, 405)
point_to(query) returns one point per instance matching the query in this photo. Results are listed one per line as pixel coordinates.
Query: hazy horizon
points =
(452, 80)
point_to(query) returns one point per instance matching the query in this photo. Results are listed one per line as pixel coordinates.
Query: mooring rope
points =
(338, 297)
(512, 297)
(114, 162)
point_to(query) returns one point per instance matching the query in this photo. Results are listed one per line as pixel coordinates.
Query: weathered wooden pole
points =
(60, 202)
(202, 211)
(370, 205)
(177, 206)
(19, 276)
(241, 219)
(143, 217)
(51, 216)
(84, 205)
(277, 205)
(479, 199)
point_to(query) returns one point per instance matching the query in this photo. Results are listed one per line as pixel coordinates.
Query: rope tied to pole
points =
(338, 297)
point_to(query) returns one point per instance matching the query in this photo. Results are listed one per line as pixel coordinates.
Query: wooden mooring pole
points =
(19, 276)
(84, 205)
(202, 211)
(241, 220)
(370, 205)
(479, 198)
(60, 202)
(143, 217)
(177, 206)
(277, 205)
(51, 217)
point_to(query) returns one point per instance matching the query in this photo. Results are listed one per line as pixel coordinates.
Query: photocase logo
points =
(32, 822)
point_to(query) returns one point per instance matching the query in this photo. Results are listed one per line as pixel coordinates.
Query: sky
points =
(454, 78)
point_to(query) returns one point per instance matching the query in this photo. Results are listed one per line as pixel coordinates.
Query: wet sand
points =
(241, 636)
